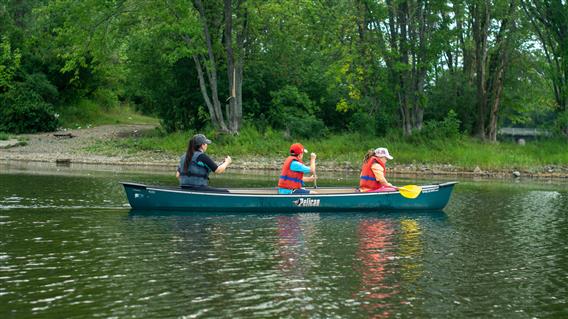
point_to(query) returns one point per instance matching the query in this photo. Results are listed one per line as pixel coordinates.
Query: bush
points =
(24, 111)
(561, 124)
(293, 111)
(448, 128)
(362, 123)
(306, 126)
(105, 98)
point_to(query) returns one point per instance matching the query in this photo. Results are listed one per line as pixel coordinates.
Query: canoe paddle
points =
(315, 178)
(410, 191)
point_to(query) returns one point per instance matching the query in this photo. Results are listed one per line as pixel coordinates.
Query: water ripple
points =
(491, 254)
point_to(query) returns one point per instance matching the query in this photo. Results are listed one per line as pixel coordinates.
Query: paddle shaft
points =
(315, 176)
(315, 180)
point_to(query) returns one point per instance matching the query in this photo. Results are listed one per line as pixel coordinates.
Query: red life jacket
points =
(290, 179)
(368, 179)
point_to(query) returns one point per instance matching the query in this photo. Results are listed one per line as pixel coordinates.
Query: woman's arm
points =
(221, 168)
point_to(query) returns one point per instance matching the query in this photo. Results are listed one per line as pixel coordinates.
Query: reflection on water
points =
(68, 250)
(375, 253)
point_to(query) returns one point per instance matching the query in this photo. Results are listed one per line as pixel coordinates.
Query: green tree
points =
(550, 21)
(9, 64)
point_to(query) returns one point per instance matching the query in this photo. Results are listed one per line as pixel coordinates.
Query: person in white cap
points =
(374, 171)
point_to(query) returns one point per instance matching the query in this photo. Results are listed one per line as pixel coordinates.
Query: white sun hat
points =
(383, 152)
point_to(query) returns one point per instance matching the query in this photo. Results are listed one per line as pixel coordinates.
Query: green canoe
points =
(144, 197)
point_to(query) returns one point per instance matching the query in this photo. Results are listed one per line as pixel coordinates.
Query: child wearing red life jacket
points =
(292, 177)
(374, 171)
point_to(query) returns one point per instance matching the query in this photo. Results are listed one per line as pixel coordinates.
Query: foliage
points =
(447, 129)
(311, 69)
(362, 123)
(293, 111)
(9, 64)
(24, 111)
(561, 124)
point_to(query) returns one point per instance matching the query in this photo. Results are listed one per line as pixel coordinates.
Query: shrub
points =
(24, 111)
(561, 124)
(293, 111)
(362, 123)
(446, 129)
(306, 126)
(106, 98)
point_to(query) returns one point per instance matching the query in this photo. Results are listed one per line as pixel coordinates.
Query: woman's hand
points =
(221, 168)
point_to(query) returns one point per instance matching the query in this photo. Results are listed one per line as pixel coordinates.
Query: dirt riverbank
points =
(69, 147)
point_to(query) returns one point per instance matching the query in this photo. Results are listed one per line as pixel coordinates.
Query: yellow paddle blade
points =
(410, 191)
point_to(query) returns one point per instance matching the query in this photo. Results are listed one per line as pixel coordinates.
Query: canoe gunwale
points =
(234, 192)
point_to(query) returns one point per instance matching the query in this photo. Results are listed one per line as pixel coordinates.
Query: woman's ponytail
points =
(189, 154)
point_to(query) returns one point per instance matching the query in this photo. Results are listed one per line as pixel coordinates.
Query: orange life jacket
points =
(290, 179)
(368, 179)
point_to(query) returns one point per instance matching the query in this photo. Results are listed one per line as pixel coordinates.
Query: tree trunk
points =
(498, 66)
(214, 105)
(213, 109)
(481, 19)
(235, 64)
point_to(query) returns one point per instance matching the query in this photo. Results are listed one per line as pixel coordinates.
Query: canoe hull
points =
(143, 197)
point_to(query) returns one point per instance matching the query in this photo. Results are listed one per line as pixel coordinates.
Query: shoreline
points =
(326, 168)
(69, 148)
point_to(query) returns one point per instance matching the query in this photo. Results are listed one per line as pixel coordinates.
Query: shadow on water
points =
(438, 215)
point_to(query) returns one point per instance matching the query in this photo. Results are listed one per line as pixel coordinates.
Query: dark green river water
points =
(71, 248)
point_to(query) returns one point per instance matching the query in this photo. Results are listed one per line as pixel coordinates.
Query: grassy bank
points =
(349, 149)
(86, 113)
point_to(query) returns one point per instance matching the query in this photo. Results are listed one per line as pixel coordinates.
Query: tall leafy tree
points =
(550, 21)
(491, 58)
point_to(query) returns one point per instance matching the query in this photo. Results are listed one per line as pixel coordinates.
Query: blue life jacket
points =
(197, 172)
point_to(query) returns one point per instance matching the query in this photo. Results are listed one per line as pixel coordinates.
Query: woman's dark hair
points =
(370, 153)
(191, 148)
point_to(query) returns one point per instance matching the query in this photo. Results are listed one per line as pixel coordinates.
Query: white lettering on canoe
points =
(431, 189)
(307, 202)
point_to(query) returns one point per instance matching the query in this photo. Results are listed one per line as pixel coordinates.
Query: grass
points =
(22, 140)
(87, 113)
(342, 149)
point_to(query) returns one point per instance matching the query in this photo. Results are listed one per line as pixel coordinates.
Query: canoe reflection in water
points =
(295, 235)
